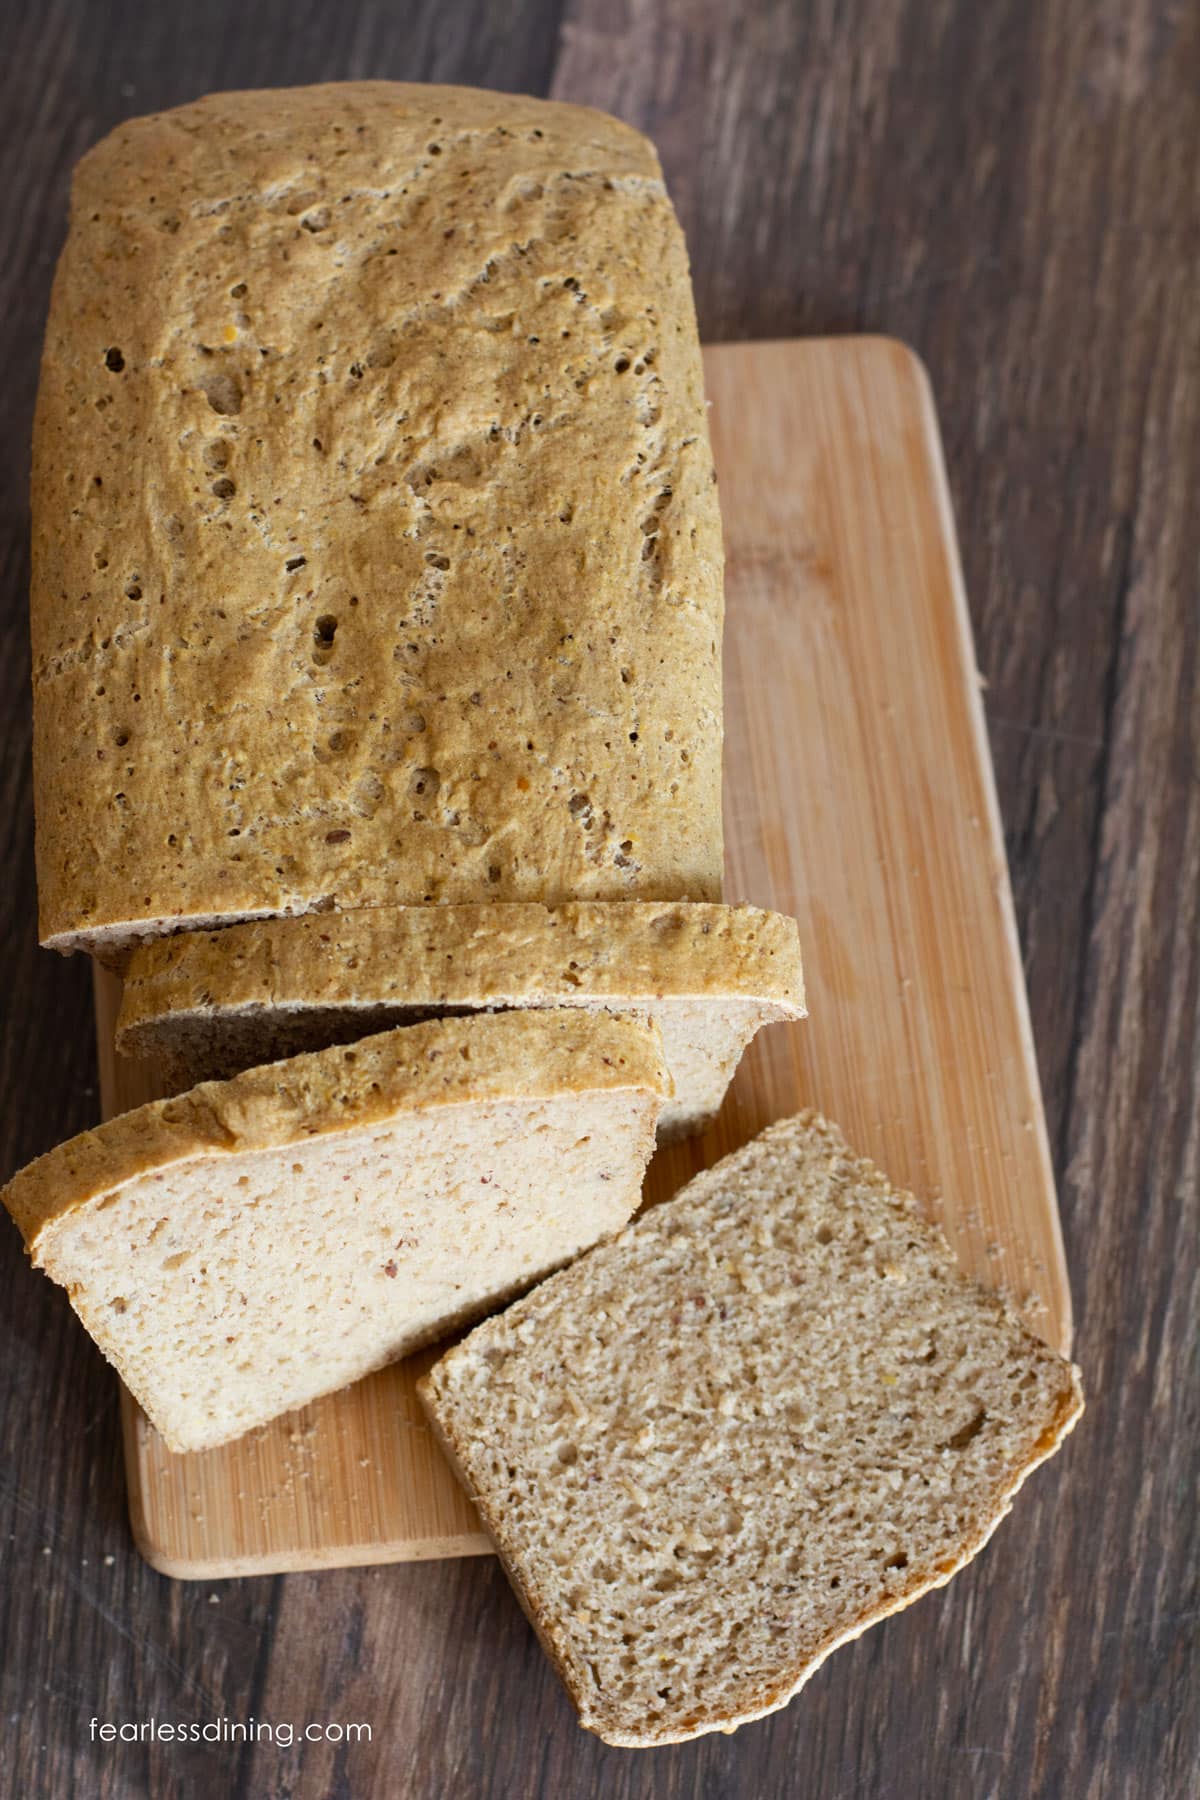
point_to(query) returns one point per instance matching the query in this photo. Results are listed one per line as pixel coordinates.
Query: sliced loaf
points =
(769, 1413)
(255, 1243)
(204, 1005)
(376, 549)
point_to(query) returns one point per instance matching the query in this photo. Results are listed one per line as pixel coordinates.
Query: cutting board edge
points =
(1065, 1337)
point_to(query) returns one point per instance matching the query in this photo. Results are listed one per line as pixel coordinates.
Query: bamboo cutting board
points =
(859, 798)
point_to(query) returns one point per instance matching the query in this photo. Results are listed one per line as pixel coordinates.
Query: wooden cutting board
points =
(859, 797)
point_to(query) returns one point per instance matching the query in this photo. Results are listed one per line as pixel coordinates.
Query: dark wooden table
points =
(1012, 188)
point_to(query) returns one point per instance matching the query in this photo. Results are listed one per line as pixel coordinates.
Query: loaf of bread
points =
(769, 1413)
(255, 1243)
(203, 1005)
(376, 552)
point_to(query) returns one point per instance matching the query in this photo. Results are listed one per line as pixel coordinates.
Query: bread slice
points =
(376, 547)
(204, 1005)
(255, 1243)
(768, 1414)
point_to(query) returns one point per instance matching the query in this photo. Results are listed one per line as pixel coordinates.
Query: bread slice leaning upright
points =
(766, 1415)
(255, 1243)
(204, 1005)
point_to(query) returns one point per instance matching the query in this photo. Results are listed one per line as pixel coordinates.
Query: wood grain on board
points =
(859, 798)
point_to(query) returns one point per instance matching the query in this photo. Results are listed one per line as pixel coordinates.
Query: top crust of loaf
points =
(559, 1404)
(468, 955)
(376, 552)
(446, 1062)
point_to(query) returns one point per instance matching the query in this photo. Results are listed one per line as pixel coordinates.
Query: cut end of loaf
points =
(225, 1298)
(256, 1243)
(770, 1413)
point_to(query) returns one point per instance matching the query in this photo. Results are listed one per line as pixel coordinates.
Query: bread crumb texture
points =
(376, 552)
(255, 1243)
(202, 1005)
(769, 1413)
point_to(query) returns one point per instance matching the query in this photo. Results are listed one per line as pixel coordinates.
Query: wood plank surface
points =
(859, 798)
(1011, 189)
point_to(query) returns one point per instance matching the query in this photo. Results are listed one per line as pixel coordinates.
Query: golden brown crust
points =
(489, 955)
(445, 1062)
(363, 577)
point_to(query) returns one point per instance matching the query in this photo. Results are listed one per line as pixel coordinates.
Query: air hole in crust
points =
(223, 392)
